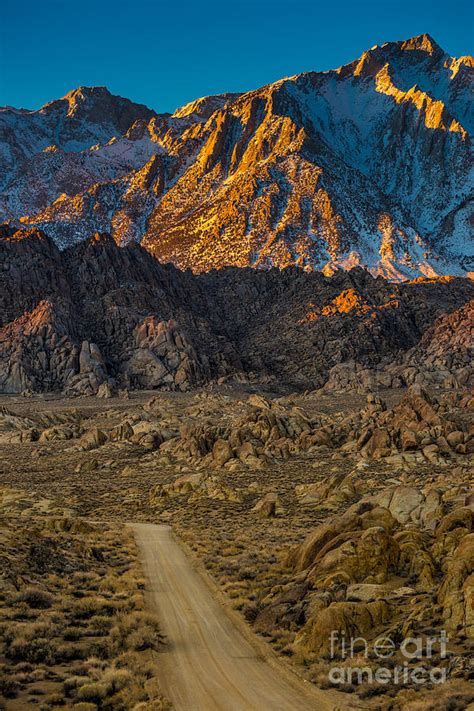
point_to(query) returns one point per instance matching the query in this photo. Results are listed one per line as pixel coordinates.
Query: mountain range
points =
(366, 165)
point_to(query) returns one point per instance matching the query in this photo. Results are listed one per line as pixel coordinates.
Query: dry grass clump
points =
(117, 687)
(95, 605)
(451, 696)
(35, 597)
(137, 632)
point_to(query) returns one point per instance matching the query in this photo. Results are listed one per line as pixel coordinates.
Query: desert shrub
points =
(101, 648)
(117, 583)
(69, 652)
(84, 578)
(35, 597)
(8, 688)
(73, 633)
(27, 632)
(116, 679)
(22, 611)
(72, 683)
(101, 624)
(92, 692)
(250, 610)
(43, 630)
(56, 700)
(90, 606)
(35, 651)
(137, 631)
(7, 633)
(136, 665)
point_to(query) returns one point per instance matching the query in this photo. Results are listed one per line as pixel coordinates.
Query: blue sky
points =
(165, 54)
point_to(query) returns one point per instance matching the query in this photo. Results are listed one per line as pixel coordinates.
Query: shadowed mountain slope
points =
(96, 312)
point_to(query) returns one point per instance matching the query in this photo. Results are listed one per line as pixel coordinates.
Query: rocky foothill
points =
(98, 318)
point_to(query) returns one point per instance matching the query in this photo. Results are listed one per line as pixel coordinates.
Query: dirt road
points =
(210, 665)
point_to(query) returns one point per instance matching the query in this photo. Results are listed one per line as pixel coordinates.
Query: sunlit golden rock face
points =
(457, 64)
(422, 43)
(350, 301)
(364, 165)
(434, 112)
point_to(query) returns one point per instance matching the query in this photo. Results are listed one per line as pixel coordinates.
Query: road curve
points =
(208, 664)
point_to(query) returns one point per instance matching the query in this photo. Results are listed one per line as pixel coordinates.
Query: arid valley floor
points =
(299, 513)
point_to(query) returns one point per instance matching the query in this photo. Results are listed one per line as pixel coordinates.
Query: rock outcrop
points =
(347, 572)
(443, 358)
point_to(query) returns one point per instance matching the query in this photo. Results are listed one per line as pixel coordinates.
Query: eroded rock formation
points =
(98, 314)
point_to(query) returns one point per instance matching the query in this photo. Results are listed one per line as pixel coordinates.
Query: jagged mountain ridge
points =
(368, 164)
(71, 320)
(56, 149)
